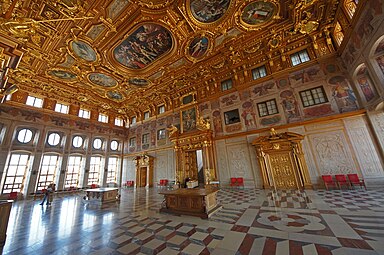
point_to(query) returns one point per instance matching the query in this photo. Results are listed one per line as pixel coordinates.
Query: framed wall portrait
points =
(188, 120)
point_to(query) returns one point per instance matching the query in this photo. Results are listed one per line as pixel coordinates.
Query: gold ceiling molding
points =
(66, 41)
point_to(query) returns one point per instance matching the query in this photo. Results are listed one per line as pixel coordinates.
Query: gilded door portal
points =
(282, 171)
(143, 176)
(281, 161)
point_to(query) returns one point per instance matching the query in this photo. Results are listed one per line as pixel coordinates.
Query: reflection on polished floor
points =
(252, 222)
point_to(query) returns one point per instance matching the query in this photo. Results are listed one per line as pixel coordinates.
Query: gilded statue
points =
(172, 130)
(20, 27)
(203, 124)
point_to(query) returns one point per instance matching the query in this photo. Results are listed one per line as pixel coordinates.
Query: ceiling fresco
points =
(128, 56)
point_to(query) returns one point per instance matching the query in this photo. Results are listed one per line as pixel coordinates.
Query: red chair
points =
(94, 186)
(328, 181)
(12, 195)
(233, 182)
(354, 180)
(240, 182)
(341, 180)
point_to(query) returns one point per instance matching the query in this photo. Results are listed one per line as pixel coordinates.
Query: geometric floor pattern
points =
(252, 221)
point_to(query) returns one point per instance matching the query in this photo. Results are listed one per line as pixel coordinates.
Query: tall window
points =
(48, 170)
(313, 96)
(34, 101)
(259, 72)
(299, 57)
(84, 114)
(338, 33)
(103, 118)
(350, 6)
(161, 134)
(133, 120)
(226, 85)
(161, 109)
(119, 122)
(132, 142)
(267, 108)
(145, 139)
(112, 169)
(146, 115)
(73, 171)
(94, 170)
(16, 172)
(62, 108)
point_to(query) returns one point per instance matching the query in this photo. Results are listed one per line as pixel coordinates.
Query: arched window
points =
(338, 34)
(350, 6)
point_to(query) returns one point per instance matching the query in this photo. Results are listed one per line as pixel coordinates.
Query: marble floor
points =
(252, 221)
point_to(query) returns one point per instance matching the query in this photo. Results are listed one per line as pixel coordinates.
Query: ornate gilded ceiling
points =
(127, 56)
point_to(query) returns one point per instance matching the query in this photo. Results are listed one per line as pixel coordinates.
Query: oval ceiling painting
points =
(144, 46)
(63, 75)
(115, 95)
(259, 12)
(102, 80)
(208, 11)
(198, 47)
(138, 82)
(84, 51)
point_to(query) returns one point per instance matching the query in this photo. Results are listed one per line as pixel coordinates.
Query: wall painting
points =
(249, 114)
(290, 105)
(188, 119)
(343, 94)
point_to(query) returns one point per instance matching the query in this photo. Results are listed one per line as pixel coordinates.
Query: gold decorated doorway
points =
(281, 161)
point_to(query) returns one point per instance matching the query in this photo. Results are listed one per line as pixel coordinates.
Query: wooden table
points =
(195, 202)
(102, 194)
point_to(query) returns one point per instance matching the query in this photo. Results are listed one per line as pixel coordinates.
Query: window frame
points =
(44, 179)
(117, 145)
(112, 170)
(226, 84)
(84, 113)
(161, 109)
(147, 115)
(35, 101)
(269, 111)
(258, 70)
(94, 172)
(132, 142)
(313, 99)
(146, 140)
(119, 122)
(49, 137)
(96, 140)
(299, 56)
(162, 136)
(64, 108)
(103, 118)
(27, 131)
(73, 170)
(82, 141)
(15, 186)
